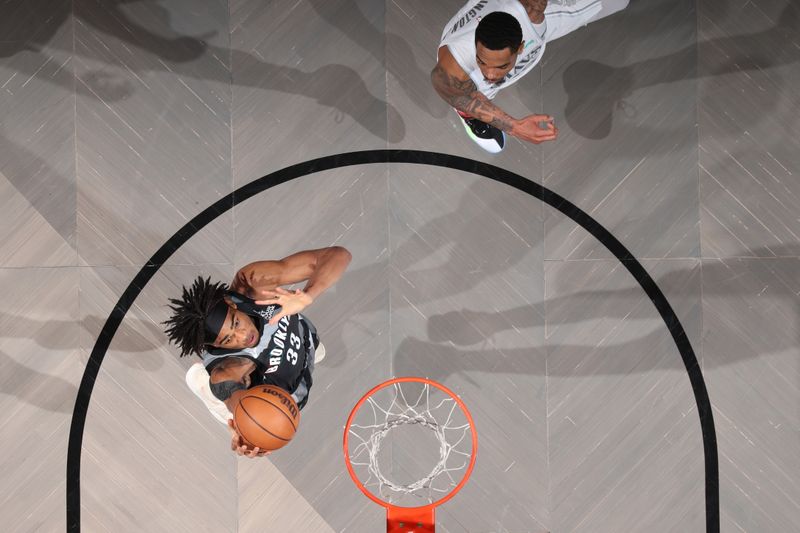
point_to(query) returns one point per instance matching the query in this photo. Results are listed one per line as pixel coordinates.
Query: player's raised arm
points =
(263, 280)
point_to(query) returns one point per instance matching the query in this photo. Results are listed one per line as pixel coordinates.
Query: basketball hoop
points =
(411, 451)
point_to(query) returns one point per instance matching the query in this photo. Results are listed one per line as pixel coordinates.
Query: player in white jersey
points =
(490, 44)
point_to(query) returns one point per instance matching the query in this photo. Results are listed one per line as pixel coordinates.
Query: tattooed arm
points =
(535, 9)
(457, 89)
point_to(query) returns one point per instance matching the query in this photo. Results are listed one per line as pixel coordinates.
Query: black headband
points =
(214, 320)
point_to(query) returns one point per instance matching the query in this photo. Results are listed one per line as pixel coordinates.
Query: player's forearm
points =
(329, 268)
(464, 96)
(480, 107)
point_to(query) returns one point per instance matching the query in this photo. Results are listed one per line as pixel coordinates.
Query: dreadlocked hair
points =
(186, 329)
(499, 30)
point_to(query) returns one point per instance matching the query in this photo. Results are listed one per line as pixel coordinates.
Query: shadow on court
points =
(597, 91)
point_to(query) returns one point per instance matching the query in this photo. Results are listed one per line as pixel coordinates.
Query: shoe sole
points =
(319, 353)
(490, 145)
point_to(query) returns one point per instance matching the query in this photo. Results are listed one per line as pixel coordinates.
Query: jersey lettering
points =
(471, 14)
(459, 37)
(295, 341)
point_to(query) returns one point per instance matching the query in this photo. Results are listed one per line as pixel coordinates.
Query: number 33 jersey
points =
(282, 353)
(283, 356)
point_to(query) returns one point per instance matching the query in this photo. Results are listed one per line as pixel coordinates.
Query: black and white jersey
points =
(282, 354)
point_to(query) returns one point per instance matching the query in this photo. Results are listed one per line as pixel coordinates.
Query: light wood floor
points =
(120, 121)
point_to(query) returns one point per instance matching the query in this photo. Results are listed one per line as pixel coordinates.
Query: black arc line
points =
(394, 156)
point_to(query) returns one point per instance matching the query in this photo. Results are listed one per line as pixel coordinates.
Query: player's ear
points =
(521, 47)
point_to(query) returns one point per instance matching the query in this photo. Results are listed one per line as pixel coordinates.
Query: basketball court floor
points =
(120, 121)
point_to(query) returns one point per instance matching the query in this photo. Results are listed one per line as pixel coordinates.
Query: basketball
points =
(266, 416)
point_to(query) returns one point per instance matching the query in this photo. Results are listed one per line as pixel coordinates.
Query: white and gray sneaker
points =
(319, 353)
(485, 135)
(197, 379)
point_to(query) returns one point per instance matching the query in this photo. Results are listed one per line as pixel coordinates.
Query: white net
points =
(410, 444)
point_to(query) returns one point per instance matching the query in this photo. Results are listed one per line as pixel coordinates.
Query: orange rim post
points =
(413, 520)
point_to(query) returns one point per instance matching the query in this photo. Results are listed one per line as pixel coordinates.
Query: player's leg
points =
(566, 16)
(609, 8)
(319, 353)
(197, 379)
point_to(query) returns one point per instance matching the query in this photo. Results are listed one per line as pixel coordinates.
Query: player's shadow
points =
(32, 38)
(133, 346)
(475, 231)
(134, 336)
(466, 341)
(27, 172)
(391, 50)
(336, 86)
(57, 203)
(597, 91)
(28, 33)
(47, 392)
(26, 28)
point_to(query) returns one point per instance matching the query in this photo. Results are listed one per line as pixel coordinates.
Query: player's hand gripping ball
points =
(266, 416)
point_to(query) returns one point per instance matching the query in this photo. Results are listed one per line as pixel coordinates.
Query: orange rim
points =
(458, 401)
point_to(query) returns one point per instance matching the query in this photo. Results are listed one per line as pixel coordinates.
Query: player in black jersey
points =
(252, 333)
